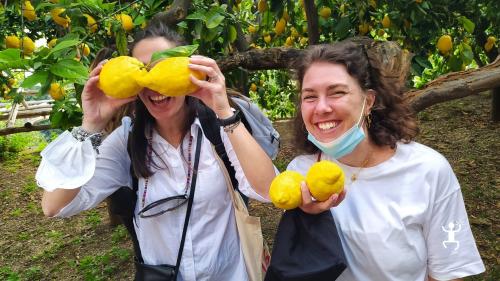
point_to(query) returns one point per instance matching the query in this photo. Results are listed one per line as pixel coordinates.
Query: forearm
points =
(54, 201)
(255, 163)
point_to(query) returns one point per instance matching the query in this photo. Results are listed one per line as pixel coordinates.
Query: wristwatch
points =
(235, 118)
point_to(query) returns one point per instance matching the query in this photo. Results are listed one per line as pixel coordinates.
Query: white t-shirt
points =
(403, 219)
(211, 250)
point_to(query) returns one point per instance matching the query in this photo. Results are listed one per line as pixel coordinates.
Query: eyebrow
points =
(331, 87)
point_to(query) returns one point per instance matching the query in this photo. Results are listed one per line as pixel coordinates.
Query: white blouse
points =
(211, 250)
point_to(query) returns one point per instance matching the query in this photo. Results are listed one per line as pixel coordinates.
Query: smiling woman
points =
(401, 195)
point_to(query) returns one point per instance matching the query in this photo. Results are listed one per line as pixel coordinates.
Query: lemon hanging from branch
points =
(12, 41)
(62, 21)
(444, 44)
(29, 11)
(126, 21)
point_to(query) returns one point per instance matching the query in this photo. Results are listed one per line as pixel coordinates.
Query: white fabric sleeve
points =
(66, 163)
(452, 251)
(243, 184)
(73, 164)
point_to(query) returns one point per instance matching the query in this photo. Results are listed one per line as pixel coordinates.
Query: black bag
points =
(306, 248)
(163, 272)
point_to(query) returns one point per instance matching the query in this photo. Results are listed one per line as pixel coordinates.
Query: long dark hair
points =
(391, 118)
(138, 141)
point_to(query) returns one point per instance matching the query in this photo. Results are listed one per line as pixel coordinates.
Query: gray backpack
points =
(259, 125)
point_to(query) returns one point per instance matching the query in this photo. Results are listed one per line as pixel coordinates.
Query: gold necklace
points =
(354, 176)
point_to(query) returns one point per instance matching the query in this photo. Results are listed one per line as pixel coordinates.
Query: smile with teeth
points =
(327, 125)
(158, 99)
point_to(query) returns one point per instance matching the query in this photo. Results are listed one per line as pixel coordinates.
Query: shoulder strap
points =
(190, 201)
(211, 129)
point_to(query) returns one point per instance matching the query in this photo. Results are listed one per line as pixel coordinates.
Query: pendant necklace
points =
(354, 176)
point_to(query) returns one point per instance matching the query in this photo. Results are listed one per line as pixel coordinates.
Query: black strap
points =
(211, 129)
(190, 200)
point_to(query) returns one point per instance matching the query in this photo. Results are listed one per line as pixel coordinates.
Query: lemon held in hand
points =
(118, 77)
(325, 178)
(170, 77)
(285, 190)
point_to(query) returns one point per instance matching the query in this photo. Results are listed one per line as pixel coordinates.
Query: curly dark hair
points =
(391, 118)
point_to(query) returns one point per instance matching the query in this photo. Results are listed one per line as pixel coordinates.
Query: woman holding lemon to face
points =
(170, 157)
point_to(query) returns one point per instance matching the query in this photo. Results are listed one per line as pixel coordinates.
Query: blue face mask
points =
(344, 144)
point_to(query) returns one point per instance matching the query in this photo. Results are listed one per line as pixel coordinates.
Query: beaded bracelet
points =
(230, 128)
(81, 135)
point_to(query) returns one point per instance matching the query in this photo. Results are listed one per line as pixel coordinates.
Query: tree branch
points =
(177, 12)
(312, 21)
(455, 85)
(28, 127)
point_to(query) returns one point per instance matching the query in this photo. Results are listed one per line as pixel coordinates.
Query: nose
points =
(323, 105)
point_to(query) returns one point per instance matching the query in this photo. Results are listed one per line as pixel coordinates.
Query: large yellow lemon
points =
(64, 22)
(56, 91)
(285, 190)
(325, 178)
(444, 44)
(118, 77)
(12, 41)
(170, 77)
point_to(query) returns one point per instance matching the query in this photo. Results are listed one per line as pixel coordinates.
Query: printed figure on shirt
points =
(399, 193)
(78, 173)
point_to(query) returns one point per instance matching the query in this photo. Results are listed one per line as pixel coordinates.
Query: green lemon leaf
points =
(180, 51)
(467, 23)
(63, 45)
(38, 77)
(69, 68)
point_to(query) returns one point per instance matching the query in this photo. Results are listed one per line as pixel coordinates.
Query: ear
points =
(371, 95)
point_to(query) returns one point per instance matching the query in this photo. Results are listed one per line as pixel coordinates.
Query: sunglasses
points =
(162, 206)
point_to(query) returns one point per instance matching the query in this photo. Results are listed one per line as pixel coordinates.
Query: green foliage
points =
(119, 234)
(222, 29)
(13, 144)
(276, 95)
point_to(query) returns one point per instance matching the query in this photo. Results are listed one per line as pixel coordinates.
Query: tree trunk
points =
(495, 105)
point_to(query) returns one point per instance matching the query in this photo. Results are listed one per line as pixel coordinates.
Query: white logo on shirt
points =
(451, 234)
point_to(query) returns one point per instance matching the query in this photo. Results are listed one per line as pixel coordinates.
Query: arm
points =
(98, 109)
(256, 164)
(54, 201)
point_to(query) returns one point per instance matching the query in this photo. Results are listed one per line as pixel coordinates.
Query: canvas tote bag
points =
(255, 250)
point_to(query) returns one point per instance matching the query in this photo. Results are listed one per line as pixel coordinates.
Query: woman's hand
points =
(98, 108)
(314, 207)
(213, 91)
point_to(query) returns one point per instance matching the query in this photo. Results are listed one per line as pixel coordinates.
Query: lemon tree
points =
(55, 41)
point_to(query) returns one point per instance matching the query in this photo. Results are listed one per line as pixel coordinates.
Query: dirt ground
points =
(85, 247)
